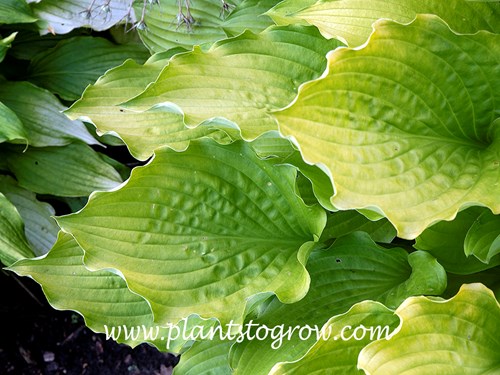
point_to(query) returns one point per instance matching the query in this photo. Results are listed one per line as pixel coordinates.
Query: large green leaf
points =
(343, 337)
(102, 297)
(351, 20)
(161, 28)
(5, 44)
(40, 228)
(446, 241)
(62, 16)
(352, 270)
(74, 170)
(11, 128)
(407, 124)
(457, 336)
(483, 238)
(40, 113)
(205, 358)
(75, 63)
(13, 244)
(241, 79)
(15, 11)
(200, 231)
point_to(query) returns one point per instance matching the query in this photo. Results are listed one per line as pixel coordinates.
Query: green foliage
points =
(280, 182)
(413, 140)
(40, 227)
(67, 74)
(201, 23)
(457, 328)
(41, 117)
(352, 21)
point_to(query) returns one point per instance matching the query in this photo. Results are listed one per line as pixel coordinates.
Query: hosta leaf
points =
(352, 270)
(13, 244)
(342, 223)
(343, 337)
(445, 241)
(142, 131)
(206, 229)
(62, 16)
(70, 171)
(15, 11)
(5, 44)
(204, 358)
(162, 29)
(241, 79)
(273, 146)
(351, 20)
(75, 63)
(101, 297)
(457, 336)
(11, 128)
(406, 124)
(40, 228)
(99, 101)
(40, 113)
(483, 238)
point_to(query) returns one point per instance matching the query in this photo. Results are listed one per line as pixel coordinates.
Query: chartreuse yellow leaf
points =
(241, 78)
(407, 125)
(204, 358)
(101, 297)
(456, 336)
(201, 231)
(351, 20)
(341, 340)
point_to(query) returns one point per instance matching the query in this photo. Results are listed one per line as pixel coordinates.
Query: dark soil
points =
(36, 339)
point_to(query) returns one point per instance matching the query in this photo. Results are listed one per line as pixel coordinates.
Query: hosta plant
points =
(303, 187)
